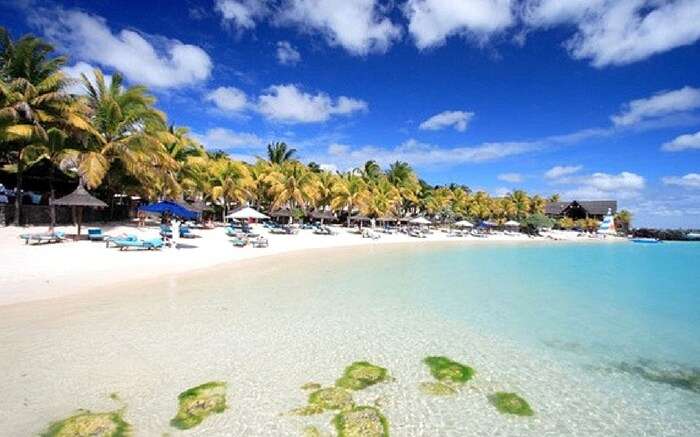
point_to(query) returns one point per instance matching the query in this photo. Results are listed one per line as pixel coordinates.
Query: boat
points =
(693, 235)
(645, 240)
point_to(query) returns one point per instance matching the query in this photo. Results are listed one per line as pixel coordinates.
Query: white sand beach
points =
(33, 272)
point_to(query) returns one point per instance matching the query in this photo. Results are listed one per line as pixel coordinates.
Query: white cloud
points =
(458, 119)
(614, 32)
(359, 26)
(241, 14)
(287, 103)
(683, 142)
(513, 178)
(423, 154)
(432, 21)
(287, 54)
(559, 171)
(74, 72)
(223, 139)
(602, 186)
(228, 99)
(658, 105)
(157, 61)
(691, 180)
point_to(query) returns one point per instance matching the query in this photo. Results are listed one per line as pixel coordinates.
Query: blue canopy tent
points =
(172, 208)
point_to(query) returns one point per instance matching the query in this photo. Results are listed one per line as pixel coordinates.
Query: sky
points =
(591, 99)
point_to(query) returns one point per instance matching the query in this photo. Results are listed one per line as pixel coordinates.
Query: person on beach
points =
(175, 231)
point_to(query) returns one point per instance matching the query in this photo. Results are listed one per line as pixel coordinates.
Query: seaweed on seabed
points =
(330, 398)
(86, 423)
(437, 388)
(361, 422)
(360, 375)
(197, 403)
(687, 379)
(510, 403)
(446, 370)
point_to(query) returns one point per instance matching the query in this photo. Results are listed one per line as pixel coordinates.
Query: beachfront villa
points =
(581, 209)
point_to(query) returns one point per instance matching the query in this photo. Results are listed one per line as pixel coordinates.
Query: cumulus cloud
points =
(613, 32)
(659, 105)
(601, 186)
(150, 60)
(457, 119)
(683, 142)
(359, 26)
(225, 139)
(228, 99)
(289, 104)
(287, 54)
(75, 72)
(431, 22)
(691, 180)
(241, 14)
(513, 178)
(559, 171)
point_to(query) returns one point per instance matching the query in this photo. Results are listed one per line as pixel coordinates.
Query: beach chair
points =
(95, 234)
(185, 232)
(166, 231)
(240, 242)
(44, 237)
(261, 242)
(135, 243)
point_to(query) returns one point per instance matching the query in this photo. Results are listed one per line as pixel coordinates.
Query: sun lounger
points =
(45, 237)
(260, 242)
(240, 242)
(95, 234)
(132, 242)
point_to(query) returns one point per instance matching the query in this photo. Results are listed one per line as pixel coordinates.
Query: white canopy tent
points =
(247, 213)
(463, 224)
(420, 221)
(512, 223)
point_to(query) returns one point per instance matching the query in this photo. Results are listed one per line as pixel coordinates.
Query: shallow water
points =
(552, 322)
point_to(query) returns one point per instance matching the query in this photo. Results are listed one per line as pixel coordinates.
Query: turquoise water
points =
(601, 339)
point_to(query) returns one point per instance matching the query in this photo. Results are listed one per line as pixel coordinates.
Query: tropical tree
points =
(349, 193)
(279, 153)
(294, 186)
(623, 220)
(402, 176)
(522, 203)
(380, 200)
(371, 171)
(230, 183)
(566, 223)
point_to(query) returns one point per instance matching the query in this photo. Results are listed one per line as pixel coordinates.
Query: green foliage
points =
(538, 221)
(510, 403)
(197, 403)
(445, 370)
(85, 423)
(361, 422)
(360, 375)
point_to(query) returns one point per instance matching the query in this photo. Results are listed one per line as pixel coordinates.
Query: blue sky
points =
(593, 99)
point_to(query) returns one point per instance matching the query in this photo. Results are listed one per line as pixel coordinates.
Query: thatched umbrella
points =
(77, 200)
(319, 214)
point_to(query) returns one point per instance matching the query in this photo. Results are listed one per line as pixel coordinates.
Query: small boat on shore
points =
(645, 240)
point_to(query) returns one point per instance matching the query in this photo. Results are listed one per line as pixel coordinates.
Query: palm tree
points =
(349, 193)
(127, 127)
(32, 100)
(371, 171)
(522, 203)
(623, 219)
(279, 153)
(326, 182)
(554, 198)
(537, 204)
(402, 176)
(230, 183)
(295, 186)
(381, 199)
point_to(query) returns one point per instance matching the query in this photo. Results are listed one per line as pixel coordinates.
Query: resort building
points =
(581, 209)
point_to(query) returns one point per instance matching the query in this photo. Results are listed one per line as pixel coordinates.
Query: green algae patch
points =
(510, 403)
(307, 410)
(361, 422)
(197, 403)
(332, 398)
(445, 370)
(311, 386)
(360, 375)
(684, 378)
(90, 424)
(437, 389)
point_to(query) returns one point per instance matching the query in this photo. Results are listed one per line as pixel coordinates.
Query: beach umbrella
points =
(488, 223)
(322, 215)
(168, 207)
(511, 223)
(79, 199)
(420, 221)
(464, 224)
(246, 214)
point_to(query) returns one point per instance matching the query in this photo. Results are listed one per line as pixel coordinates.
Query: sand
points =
(35, 272)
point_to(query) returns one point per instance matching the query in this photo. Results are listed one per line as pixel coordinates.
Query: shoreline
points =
(83, 268)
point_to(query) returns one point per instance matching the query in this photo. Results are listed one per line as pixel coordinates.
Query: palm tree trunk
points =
(18, 193)
(52, 194)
